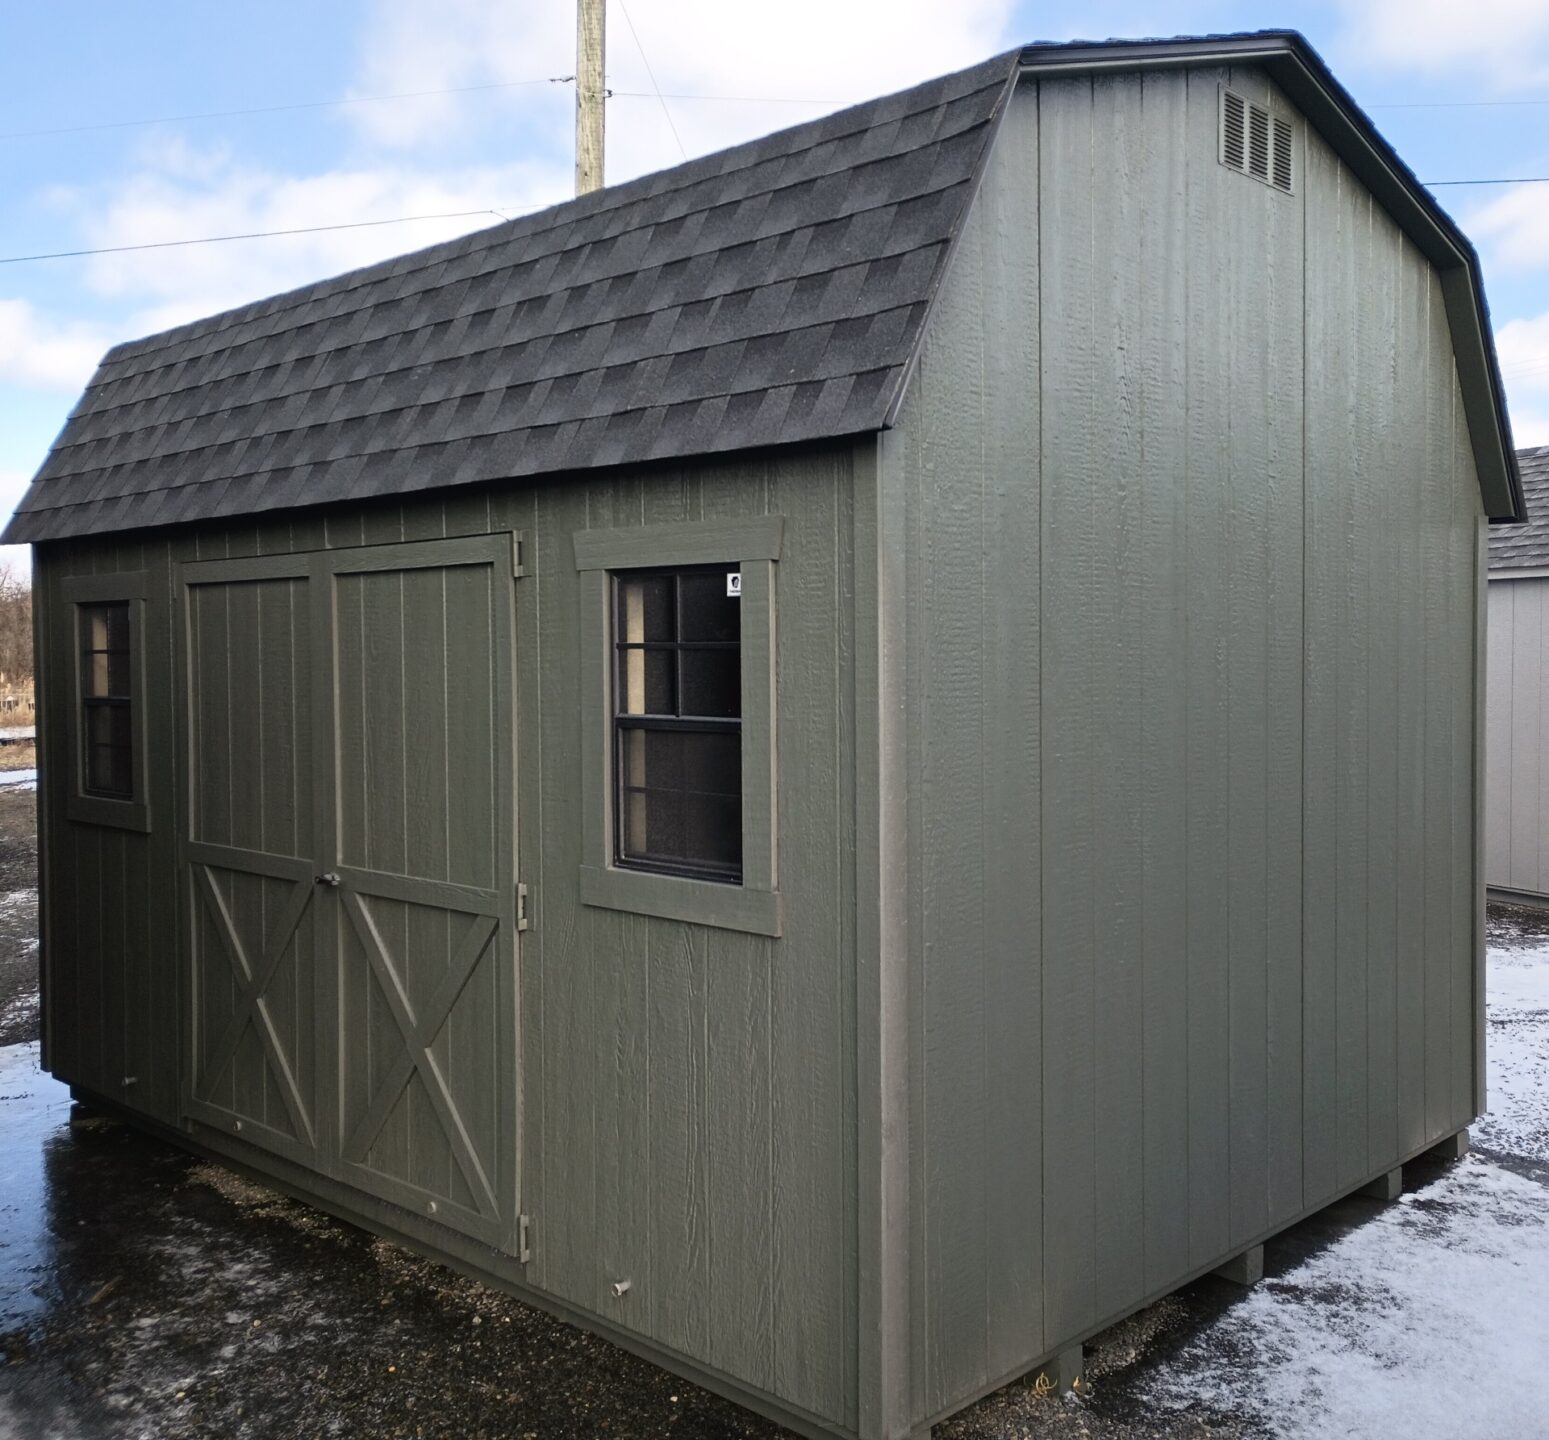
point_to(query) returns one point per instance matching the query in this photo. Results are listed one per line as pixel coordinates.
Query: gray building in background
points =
(1517, 733)
(844, 762)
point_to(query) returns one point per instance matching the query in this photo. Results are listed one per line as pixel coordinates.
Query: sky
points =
(117, 127)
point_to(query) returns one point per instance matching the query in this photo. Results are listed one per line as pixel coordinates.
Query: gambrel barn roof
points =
(769, 294)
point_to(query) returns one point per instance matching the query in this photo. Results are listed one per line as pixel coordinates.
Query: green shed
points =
(844, 762)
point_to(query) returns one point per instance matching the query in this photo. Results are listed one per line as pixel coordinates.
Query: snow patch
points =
(1517, 1042)
(1430, 1317)
(1434, 1308)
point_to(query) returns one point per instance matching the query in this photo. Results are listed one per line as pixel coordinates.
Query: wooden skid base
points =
(1245, 1269)
(1387, 1186)
(1454, 1147)
(1062, 1372)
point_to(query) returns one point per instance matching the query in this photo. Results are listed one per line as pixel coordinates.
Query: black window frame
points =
(91, 704)
(623, 723)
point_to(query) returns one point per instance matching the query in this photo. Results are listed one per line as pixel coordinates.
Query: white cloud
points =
(183, 192)
(1515, 227)
(1529, 427)
(46, 354)
(457, 43)
(817, 52)
(1505, 42)
(1523, 348)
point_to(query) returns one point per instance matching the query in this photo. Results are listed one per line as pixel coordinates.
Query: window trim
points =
(133, 812)
(754, 546)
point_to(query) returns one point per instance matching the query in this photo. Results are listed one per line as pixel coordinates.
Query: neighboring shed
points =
(844, 762)
(1517, 709)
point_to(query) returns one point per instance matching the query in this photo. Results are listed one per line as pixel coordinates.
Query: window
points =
(677, 646)
(100, 626)
(107, 765)
(678, 717)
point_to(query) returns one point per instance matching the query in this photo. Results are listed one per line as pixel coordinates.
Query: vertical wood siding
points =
(1193, 523)
(1517, 720)
(109, 967)
(689, 1093)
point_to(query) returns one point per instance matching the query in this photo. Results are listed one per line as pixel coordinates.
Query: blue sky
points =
(1462, 90)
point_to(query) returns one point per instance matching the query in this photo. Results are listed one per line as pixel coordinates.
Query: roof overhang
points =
(1307, 82)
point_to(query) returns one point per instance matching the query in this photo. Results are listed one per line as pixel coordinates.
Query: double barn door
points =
(350, 871)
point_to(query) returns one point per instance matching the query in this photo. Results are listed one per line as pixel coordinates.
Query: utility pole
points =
(589, 94)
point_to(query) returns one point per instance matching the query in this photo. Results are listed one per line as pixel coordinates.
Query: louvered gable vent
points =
(1255, 142)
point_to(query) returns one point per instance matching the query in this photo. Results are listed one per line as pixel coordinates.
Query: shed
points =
(842, 763)
(1517, 705)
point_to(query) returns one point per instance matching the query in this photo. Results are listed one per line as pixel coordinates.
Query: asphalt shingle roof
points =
(767, 294)
(1526, 546)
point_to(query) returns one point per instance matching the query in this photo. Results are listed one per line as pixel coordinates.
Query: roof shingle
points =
(1526, 546)
(651, 320)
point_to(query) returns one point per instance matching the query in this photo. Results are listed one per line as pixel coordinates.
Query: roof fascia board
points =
(1377, 167)
(1301, 75)
(1484, 401)
(1148, 55)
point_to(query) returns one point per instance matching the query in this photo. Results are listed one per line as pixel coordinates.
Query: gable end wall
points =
(1191, 537)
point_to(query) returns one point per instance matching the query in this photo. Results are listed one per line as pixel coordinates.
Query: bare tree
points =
(15, 630)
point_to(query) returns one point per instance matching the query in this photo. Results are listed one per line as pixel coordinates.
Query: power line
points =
(448, 215)
(277, 109)
(635, 35)
(250, 235)
(737, 99)
(1452, 104)
(1526, 367)
(657, 94)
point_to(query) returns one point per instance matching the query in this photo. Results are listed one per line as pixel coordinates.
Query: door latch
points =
(329, 879)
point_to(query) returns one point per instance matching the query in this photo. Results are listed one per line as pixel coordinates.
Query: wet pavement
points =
(146, 1293)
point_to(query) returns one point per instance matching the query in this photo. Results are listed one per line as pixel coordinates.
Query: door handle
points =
(329, 879)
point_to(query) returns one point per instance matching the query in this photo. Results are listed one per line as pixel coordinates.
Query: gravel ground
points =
(144, 1293)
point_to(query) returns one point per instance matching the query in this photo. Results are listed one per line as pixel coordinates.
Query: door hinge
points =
(523, 1238)
(521, 906)
(518, 554)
